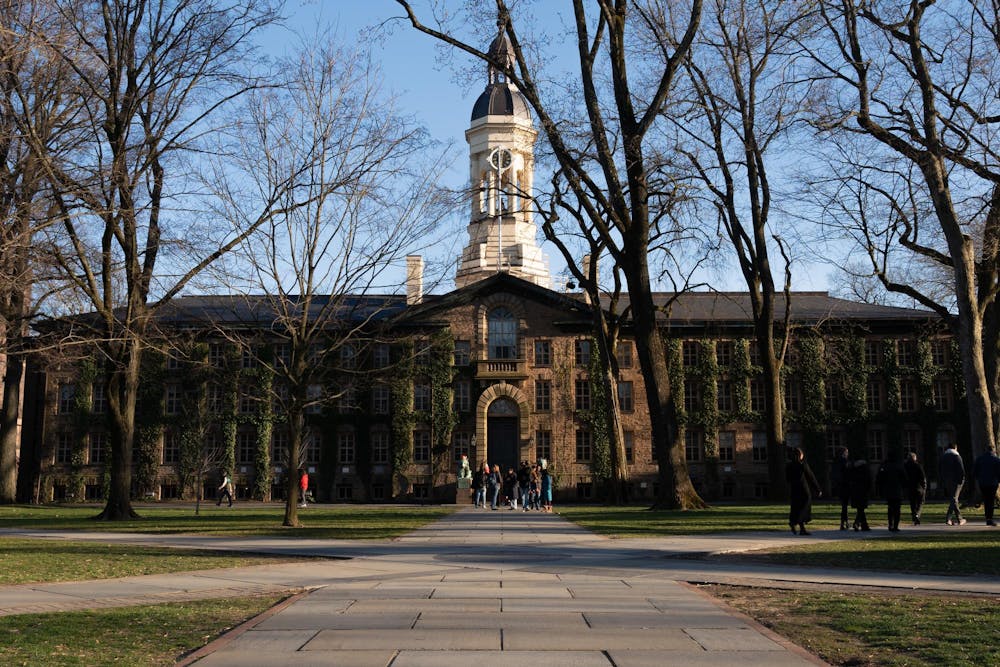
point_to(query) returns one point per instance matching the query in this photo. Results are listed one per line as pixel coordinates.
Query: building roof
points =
(234, 310)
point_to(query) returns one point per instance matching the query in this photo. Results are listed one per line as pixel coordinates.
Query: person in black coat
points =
(801, 485)
(916, 486)
(890, 482)
(986, 470)
(860, 479)
(839, 485)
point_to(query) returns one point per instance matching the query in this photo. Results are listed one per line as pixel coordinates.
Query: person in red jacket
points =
(303, 486)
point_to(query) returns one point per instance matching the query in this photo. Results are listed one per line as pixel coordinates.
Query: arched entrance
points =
(502, 433)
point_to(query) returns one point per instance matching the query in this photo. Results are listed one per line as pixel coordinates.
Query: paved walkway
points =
(482, 588)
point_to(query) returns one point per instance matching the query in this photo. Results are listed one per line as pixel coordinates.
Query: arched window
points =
(502, 328)
(502, 407)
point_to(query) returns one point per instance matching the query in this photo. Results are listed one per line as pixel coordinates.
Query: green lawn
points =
(147, 635)
(25, 561)
(338, 522)
(887, 629)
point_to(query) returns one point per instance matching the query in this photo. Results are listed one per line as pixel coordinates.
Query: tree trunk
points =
(122, 392)
(296, 429)
(774, 407)
(8, 425)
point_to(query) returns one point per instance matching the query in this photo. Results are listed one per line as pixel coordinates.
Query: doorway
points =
(502, 433)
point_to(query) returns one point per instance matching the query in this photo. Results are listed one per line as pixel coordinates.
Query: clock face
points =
(501, 159)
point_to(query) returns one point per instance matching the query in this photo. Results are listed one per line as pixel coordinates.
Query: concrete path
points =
(481, 588)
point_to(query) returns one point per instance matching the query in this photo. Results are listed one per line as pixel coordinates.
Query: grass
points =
(24, 561)
(146, 635)
(847, 629)
(336, 522)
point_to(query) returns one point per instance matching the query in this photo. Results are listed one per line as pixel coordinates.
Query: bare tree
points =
(324, 267)
(619, 177)
(740, 113)
(157, 77)
(916, 83)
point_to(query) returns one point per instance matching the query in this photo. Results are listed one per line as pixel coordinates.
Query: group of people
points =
(896, 480)
(530, 486)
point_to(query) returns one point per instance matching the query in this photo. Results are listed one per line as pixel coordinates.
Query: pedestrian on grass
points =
(951, 474)
(890, 481)
(860, 480)
(303, 487)
(840, 487)
(986, 470)
(801, 485)
(227, 489)
(916, 486)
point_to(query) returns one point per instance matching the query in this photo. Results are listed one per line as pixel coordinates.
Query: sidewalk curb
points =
(226, 638)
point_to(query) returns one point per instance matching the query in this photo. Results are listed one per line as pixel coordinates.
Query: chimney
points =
(414, 279)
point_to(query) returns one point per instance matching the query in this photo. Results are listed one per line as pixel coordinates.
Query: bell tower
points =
(501, 137)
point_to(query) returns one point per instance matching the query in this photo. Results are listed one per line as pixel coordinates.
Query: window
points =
(873, 353)
(543, 445)
(463, 352)
(347, 401)
(248, 358)
(692, 395)
(833, 396)
(581, 352)
(422, 397)
(313, 442)
(584, 490)
(724, 352)
(757, 394)
(67, 398)
(348, 356)
(724, 395)
(907, 353)
(793, 439)
(907, 396)
(759, 447)
(461, 445)
(423, 350)
(246, 405)
(171, 447)
(345, 447)
(834, 442)
(941, 394)
(282, 354)
(64, 448)
(543, 353)
(279, 447)
(911, 440)
(463, 396)
(873, 396)
(380, 399)
(314, 395)
(502, 333)
(99, 447)
(626, 400)
(213, 398)
(629, 437)
(584, 445)
(380, 355)
(690, 353)
(939, 352)
(693, 444)
(583, 394)
(216, 355)
(380, 446)
(876, 444)
(754, 351)
(173, 362)
(172, 399)
(727, 446)
(345, 492)
(422, 446)
(792, 395)
(624, 354)
(245, 446)
(99, 399)
(543, 395)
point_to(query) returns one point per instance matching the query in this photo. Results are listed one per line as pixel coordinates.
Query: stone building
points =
(498, 370)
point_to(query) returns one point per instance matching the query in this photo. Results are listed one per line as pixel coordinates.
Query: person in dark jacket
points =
(986, 470)
(839, 486)
(510, 488)
(916, 486)
(801, 485)
(890, 482)
(860, 480)
(480, 480)
(951, 473)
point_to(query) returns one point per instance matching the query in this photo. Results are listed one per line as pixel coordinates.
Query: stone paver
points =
(482, 588)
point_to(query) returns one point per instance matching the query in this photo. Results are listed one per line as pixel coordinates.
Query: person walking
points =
(890, 481)
(951, 474)
(839, 485)
(546, 490)
(479, 482)
(860, 481)
(801, 485)
(916, 486)
(303, 487)
(986, 470)
(495, 481)
(227, 489)
(523, 484)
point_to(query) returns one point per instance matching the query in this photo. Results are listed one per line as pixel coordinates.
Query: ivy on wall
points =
(83, 420)
(402, 418)
(440, 371)
(596, 417)
(148, 422)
